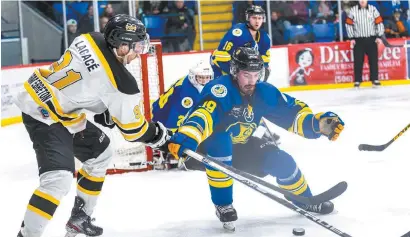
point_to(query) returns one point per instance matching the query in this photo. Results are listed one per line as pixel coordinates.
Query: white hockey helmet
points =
(201, 74)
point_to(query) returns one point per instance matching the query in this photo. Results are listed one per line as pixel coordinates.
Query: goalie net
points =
(148, 72)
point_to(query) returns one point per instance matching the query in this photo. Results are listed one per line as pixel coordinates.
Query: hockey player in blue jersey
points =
(227, 114)
(249, 34)
(172, 106)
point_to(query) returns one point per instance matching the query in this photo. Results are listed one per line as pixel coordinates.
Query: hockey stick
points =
(242, 176)
(367, 147)
(228, 171)
(387, 44)
(406, 234)
(328, 195)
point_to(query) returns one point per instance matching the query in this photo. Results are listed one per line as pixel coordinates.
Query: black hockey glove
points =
(161, 137)
(104, 119)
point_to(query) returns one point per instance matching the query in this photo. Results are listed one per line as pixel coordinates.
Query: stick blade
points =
(331, 194)
(328, 195)
(367, 147)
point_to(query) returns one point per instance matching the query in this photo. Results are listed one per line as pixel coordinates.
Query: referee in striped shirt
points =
(364, 27)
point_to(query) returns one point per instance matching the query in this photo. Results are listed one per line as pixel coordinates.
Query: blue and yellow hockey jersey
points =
(172, 106)
(222, 109)
(222, 117)
(238, 36)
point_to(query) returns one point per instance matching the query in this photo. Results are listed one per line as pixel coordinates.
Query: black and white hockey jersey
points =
(87, 77)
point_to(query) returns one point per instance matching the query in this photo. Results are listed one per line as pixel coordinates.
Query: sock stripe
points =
(47, 197)
(43, 204)
(39, 212)
(88, 184)
(92, 193)
(89, 177)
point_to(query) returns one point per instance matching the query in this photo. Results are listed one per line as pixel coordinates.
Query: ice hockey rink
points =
(178, 204)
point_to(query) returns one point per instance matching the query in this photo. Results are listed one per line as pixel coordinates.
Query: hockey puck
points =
(298, 231)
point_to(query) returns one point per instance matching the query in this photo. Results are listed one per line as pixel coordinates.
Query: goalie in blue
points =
(249, 34)
(172, 106)
(226, 117)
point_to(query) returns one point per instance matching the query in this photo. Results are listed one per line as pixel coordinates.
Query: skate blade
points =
(70, 234)
(230, 226)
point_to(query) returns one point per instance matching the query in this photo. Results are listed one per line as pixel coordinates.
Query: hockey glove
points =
(178, 143)
(104, 119)
(161, 137)
(329, 124)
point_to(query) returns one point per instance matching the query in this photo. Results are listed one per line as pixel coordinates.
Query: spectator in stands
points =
(278, 29)
(108, 11)
(86, 23)
(103, 22)
(325, 14)
(395, 28)
(179, 26)
(331, 4)
(154, 7)
(239, 14)
(71, 34)
(300, 12)
(282, 8)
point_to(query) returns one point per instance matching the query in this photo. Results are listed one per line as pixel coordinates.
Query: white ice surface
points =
(178, 204)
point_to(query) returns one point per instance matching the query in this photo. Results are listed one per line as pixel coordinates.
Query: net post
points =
(158, 51)
(146, 99)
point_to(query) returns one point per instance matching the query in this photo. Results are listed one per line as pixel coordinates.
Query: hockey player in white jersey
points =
(89, 76)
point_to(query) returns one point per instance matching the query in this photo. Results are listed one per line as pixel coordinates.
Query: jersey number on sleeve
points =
(209, 106)
(71, 76)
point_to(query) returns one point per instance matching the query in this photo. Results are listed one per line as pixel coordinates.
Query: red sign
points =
(332, 63)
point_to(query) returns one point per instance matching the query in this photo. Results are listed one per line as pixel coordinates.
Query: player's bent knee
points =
(98, 166)
(281, 162)
(56, 183)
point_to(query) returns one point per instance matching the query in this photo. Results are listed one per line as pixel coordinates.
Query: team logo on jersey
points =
(240, 132)
(219, 90)
(44, 112)
(237, 32)
(131, 27)
(187, 102)
(248, 114)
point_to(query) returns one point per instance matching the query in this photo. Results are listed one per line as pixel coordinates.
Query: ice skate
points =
(81, 223)
(227, 215)
(376, 84)
(20, 234)
(322, 208)
(357, 85)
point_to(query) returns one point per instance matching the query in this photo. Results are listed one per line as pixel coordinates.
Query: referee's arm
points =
(350, 26)
(378, 21)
